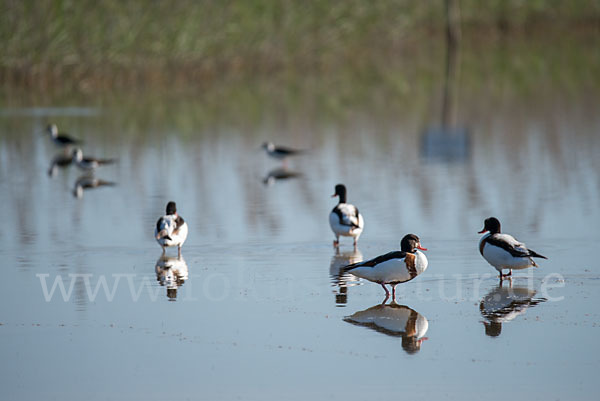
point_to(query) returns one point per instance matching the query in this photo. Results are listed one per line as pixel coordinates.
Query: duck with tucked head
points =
(503, 251)
(345, 219)
(394, 267)
(171, 230)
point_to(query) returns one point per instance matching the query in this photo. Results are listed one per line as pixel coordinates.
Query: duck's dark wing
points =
(347, 220)
(178, 223)
(89, 160)
(375, 261)
(67, 140)
(159, 224)
(512, 246)
(285, 151)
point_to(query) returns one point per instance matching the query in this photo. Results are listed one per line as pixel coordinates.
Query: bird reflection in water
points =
(171, 272)
(86, 182)
(59, 161)
(343, 280)
(396, 321)
(278, 174)
(503, 304)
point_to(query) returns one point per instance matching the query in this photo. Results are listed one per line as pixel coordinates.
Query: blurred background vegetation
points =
(192, 64)
(90, 45)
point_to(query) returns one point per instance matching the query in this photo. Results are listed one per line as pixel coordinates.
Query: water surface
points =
(256, 308)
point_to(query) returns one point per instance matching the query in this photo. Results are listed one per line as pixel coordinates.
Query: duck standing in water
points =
(394, 267)
(171, 230)
(280, 152)
(345, 219)
(503, 251)
(60, 139)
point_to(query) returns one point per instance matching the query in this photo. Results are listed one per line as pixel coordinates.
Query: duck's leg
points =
(500, 275)
(336, 241)
(179, 251)
(394, 292)
(387, 292)
(163, 248)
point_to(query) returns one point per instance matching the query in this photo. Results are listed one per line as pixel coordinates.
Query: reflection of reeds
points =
(112, 43)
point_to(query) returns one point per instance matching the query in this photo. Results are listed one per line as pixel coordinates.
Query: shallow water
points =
(256, 309)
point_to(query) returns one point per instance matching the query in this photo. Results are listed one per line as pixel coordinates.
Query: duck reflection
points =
(394, 320)
(340, 279)
(281, 173)
(60, 160)
(86, 182)
(171, 272)
(503, 304)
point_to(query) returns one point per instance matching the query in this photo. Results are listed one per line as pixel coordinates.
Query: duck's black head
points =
(493, 329)
(411, 344)
(410, 242)
(171, 208)
(340, 190)
(492, 225)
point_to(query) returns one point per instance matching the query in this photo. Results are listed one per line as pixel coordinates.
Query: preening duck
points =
(503, 251)
(345, 219)
(171, 230)
(394, 267)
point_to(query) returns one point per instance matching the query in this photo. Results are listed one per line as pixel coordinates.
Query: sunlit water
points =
(255, 308)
